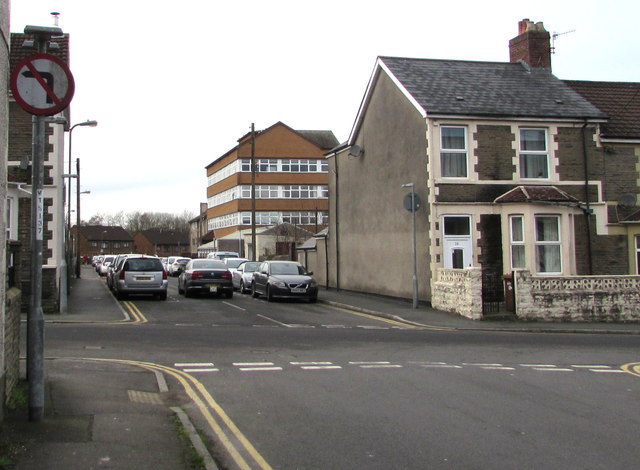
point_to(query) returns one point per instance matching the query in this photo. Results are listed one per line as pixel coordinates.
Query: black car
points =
(206, 276)
(284, 279)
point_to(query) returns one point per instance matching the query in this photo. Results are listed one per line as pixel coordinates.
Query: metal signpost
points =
(412, 204)
(42, 85)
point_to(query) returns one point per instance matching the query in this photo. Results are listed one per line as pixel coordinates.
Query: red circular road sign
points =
(42, 84)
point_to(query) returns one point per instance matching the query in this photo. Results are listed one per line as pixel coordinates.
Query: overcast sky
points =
(173, 85)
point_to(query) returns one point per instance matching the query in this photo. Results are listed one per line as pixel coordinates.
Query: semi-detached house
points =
(508, 163)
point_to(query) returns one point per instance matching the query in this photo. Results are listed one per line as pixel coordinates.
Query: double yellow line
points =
(245, 456)
(135, 313)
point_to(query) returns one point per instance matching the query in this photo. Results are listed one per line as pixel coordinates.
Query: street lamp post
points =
(78, 193)
(415, 257)
(89, 123)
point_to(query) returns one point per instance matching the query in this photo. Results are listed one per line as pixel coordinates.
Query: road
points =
(293, 385)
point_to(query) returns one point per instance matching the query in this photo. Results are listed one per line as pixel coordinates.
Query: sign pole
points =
(42, 85)
(35, 319)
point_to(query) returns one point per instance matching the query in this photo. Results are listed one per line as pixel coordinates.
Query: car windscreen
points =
(143, 264)
(234, 262)
(250, 267)
(287, 268)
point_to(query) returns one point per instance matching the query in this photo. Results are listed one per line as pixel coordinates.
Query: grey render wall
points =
(374, 230)
(4, 125)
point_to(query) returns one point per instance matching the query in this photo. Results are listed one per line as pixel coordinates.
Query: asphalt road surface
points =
(295, 385)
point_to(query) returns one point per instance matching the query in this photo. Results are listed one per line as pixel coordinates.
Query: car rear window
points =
(208, 264)
(143, 264)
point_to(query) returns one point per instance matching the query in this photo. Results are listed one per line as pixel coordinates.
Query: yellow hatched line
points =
(205, 407)
(632, 368)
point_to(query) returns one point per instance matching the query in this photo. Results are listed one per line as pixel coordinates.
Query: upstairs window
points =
(453, 152)
(534, 160)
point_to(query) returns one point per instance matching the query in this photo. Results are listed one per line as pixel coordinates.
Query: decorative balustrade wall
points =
(577, 298)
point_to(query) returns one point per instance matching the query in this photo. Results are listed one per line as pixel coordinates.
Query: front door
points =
(457, 245)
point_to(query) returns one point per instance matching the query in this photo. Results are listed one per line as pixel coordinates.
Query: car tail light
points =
(164, 275)
(226, 275)
(121, 275)
(197, 275)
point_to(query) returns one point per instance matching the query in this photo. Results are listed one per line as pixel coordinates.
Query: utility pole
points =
(253, 193)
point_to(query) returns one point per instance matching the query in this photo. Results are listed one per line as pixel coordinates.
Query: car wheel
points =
(269, 295)
(229, 294)
(313, 300)
(163, 296)
(120, 295)
(242, 288)
(180, 289)
(254, 292)
(187, 293)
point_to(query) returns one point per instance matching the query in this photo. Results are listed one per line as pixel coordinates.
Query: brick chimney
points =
(533, 44)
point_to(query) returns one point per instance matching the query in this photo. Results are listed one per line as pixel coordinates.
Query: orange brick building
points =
(291, 181)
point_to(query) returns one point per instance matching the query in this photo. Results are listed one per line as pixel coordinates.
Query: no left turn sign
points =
(42, 84)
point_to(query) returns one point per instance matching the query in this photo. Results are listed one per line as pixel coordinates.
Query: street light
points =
(415, 258)
(88, 123)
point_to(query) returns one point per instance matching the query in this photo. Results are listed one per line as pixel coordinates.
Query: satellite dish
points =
(356, 151)
(627, 200)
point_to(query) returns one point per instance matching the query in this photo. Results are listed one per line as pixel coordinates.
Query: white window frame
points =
(12, 218)
(524, 153)
(464, 151)
(547, 243)
(516, 243)
(637, 237)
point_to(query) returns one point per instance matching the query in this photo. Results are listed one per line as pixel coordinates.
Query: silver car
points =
(142, 275)
(242, 276)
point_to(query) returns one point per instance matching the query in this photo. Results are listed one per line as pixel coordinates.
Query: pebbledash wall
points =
(544, 298)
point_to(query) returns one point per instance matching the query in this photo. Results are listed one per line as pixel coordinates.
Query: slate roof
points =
(105, 232)
(491, 89)
(323, 139)
(537, 194)
(619, 100)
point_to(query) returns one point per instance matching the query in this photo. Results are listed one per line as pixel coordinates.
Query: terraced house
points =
(516, 175)
(291, 183)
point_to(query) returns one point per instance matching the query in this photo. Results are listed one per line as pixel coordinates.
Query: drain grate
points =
(149, 398)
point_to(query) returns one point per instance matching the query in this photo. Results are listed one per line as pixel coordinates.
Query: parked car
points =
(205, 276)
(104, 265)
(284, 279)
(142, 275)
(114, 268)
(242, 277)
(233, 263)
(176, 266)
(223, 255)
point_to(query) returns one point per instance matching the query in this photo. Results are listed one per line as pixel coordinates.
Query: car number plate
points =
(298, 290)
(213, 288)
(143, 278)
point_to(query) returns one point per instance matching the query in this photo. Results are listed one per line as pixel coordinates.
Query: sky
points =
(173, 85)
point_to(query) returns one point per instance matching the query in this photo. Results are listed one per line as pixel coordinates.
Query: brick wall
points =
(609, 252)
(49, 286)
(495, 152)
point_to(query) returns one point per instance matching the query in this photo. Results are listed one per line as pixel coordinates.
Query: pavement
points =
(109, 415)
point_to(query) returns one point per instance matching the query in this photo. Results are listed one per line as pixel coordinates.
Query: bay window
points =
(548, 245)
